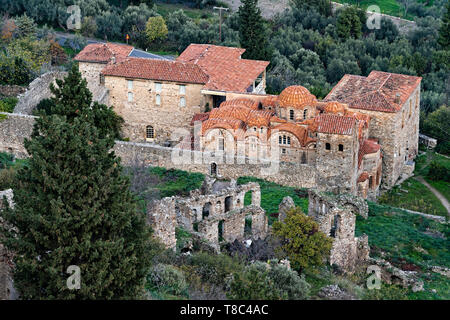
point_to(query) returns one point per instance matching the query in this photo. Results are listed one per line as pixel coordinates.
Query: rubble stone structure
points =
(214, 213)
(336, 215)
(7, 291)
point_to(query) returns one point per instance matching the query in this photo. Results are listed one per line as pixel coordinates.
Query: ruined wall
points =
(143, 111)
(13, 129)
(37, 90)
(336, 216)
(161, 216)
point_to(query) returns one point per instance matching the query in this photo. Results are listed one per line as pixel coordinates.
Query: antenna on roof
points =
(220, 19)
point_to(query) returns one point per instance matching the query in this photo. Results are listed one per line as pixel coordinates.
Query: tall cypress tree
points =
(72, 98)
(73, 207)
(444, 31)
(252, 32)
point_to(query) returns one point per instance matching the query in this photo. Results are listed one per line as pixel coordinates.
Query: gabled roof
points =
(379, 91)
(153, 69)
(103, 52)
(330, 123)
(224, 66)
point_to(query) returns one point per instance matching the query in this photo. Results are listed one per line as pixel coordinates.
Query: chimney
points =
(397, 98)
(113, 59)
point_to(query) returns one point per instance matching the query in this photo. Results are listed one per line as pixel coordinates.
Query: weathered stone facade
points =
(336, 215)
(214, 213)
(164, 114)
(11, 90)
(7, 291)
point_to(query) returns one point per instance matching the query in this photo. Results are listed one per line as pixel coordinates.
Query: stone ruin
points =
(7, 291)
(336, 215)
(213, 213)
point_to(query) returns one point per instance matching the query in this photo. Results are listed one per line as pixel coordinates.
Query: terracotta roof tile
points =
(368, 146)
(363, 177)
(296, 97)
(103, 52)
(249, 103)
(330, 123)
(379, 91)
(200, 117)
(154, 69)
(224, 66)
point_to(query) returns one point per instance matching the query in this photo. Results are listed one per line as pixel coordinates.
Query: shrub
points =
(8, 104)
(301, 240)
(438, 171)
(261, 281)
(7, 177)
(167, 279)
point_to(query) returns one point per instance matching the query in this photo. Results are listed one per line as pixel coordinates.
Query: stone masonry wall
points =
(37, 90)
(142, 111)
(16, 127)
(11, 90)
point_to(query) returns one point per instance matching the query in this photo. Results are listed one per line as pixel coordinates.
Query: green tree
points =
(322, 6)
(444, 31)
(156, 29)
(26, 27)
(437, 125)
(72, 99)
(302, 241)
(252, 32)
(349, 23)
(73, 207)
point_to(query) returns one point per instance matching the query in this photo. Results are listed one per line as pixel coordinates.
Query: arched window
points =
(213, 169)
(327, 146)
(158, 100)
(288, 140)
(305, 113)
(150, 132)
(291, 114)
(280, 139)
(284, 139)
(341, 147)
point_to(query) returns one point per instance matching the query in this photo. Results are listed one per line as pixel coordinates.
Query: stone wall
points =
(11, 90)
(214, 213)
(336, 216)
(13, 129)
(37, 90)
(143, 111)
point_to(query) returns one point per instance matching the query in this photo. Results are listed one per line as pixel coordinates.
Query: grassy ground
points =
(409, 240)
(165, 9)
(415, 196)
(390, 7)
(272, 194)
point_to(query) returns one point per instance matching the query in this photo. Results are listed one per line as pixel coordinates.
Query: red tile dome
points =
(296, 97)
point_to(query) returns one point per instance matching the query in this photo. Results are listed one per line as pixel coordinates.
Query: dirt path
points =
(441, 198)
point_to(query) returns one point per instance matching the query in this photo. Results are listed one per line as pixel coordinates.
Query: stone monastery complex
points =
(362, 136)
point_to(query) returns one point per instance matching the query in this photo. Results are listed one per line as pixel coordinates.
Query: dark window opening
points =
(341, 147)
(291, 114)
(213, 169)
(334, 226)
(327, 146)
(228, 204)
(220, 230)
(206, 210)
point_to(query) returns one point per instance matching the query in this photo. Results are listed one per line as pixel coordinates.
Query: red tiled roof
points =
(368, 146)
(199, 117)
(379, 91)
(249, 103)
(296, 97)
(229, 124)
(330, 123)
(224, 66)
(103, 52)
(154, 69)
(363, 177)
(299, 131)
